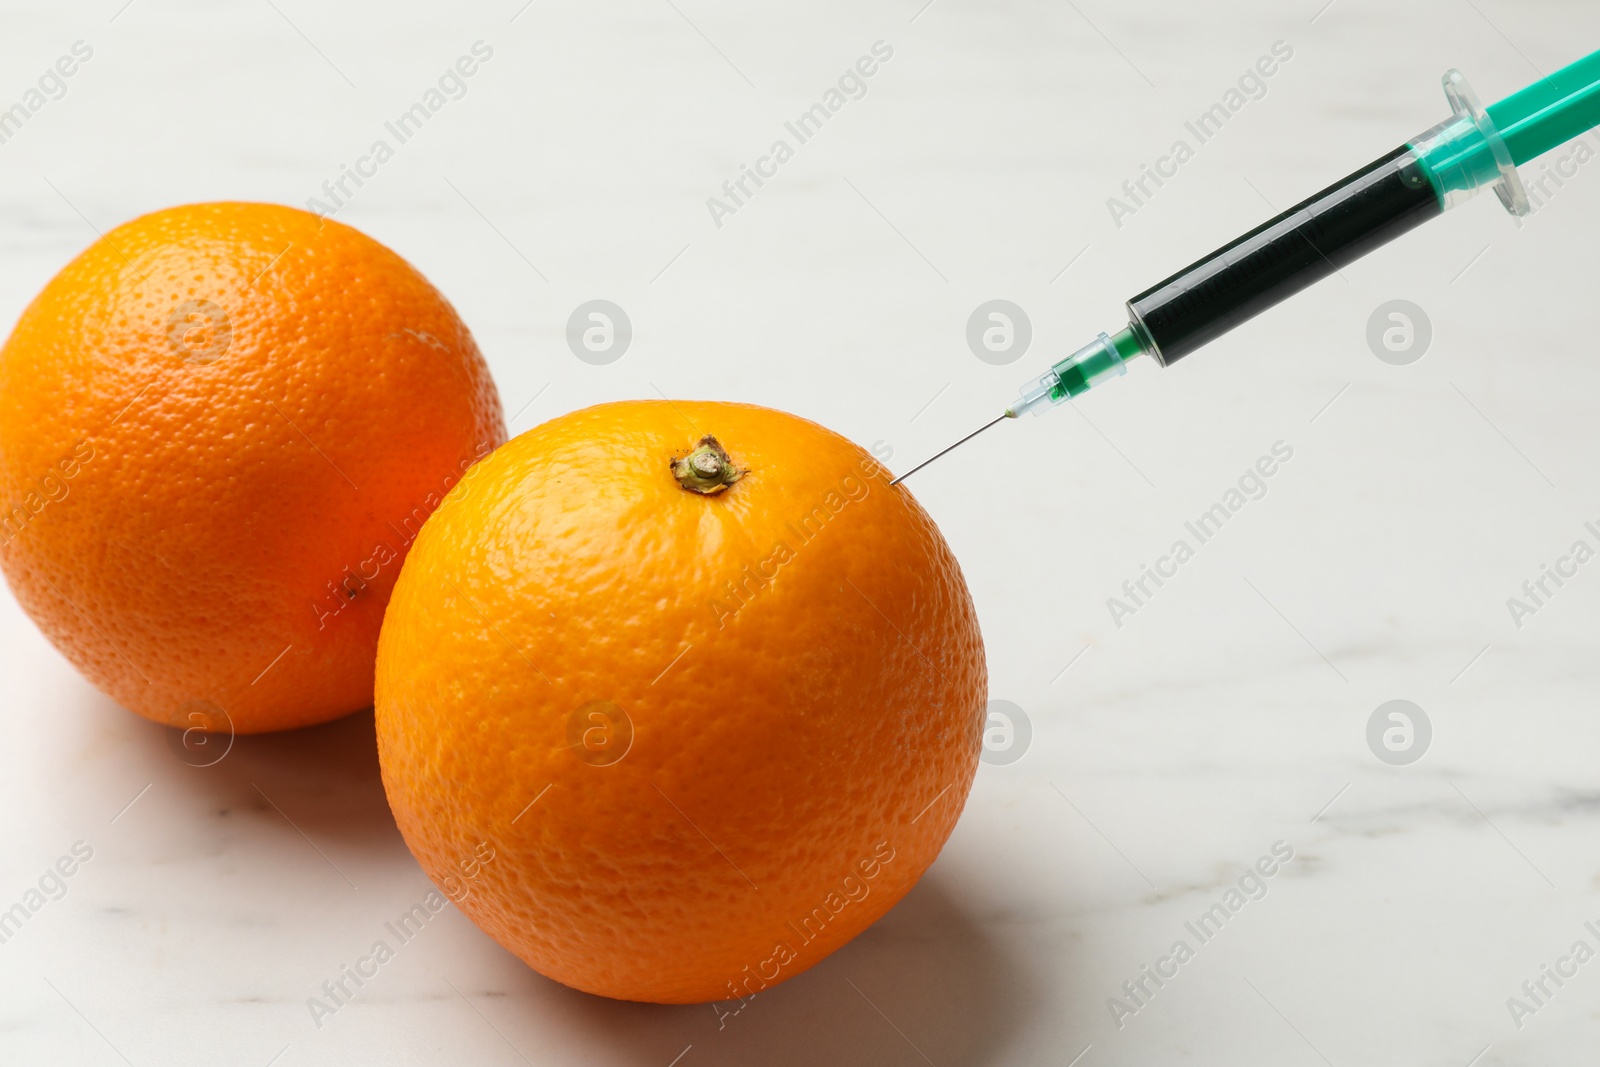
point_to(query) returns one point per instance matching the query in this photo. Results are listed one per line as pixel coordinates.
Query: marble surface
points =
(1172, 748)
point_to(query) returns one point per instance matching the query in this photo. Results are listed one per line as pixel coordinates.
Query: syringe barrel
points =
(1279, 258)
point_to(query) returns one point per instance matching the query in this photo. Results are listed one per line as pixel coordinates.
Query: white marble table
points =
(1169, 753)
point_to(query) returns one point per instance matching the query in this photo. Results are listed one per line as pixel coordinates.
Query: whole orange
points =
(674, 699)
(221, 426)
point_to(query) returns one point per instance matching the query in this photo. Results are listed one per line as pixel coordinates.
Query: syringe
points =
(1433, 172)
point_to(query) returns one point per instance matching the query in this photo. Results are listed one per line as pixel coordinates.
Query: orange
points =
(221, 426)
(671, 745)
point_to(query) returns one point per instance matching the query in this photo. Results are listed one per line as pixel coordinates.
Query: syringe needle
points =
(953, 447)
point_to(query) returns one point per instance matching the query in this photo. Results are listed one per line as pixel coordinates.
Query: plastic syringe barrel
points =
(1476, 149)
(1274, 261)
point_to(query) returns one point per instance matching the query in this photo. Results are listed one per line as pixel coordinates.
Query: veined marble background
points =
(1173, 748)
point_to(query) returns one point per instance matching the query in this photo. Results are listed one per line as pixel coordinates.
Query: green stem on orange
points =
(707, 469)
